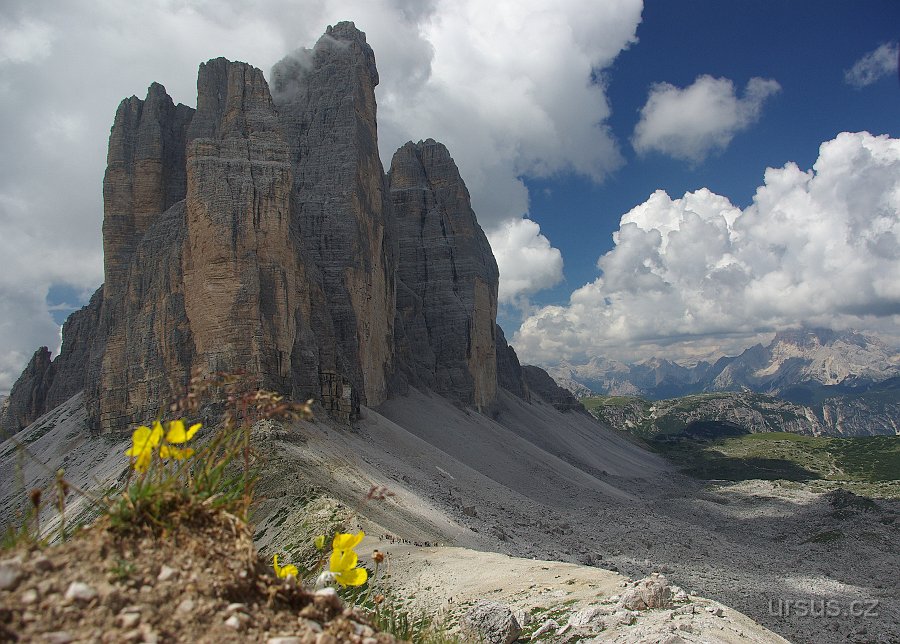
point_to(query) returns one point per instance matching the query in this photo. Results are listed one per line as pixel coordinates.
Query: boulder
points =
(491, 623)
(651, 592)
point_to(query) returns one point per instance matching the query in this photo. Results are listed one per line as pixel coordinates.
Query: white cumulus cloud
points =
(701, 119)
(527, 261)
(693, 276)
(874, 66)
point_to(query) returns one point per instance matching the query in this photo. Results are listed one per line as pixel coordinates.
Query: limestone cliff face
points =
(509, 371)
(540, 384)
(45, 385)
(447, 304)
(27, 398)
(70, 368)
(326, 102)
(145, 174)
(260, 233)
(241, 286)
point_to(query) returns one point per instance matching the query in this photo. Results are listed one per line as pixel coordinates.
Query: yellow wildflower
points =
(283, 572)
(167, 451)
(346, 541)
(143, 441)
(177, 433)
(344, 559)
(319, 542)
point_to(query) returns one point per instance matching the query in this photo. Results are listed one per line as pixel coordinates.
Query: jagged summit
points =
(261, 233)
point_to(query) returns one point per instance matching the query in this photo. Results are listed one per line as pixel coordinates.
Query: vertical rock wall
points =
(326, 101)
(145, 175)
(447, 305)
(240, 266)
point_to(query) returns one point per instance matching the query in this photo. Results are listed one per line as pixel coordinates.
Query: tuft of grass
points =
(417, 627)
(220, 476)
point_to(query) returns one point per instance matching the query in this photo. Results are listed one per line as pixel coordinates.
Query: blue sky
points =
(805, 46)
(693, 97)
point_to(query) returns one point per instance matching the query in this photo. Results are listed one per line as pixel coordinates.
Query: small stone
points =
(134, 635)
(522, 616)
(234, 622)
(148, 635)
(284, 640)
(236, 607)
(81, 592)
(166, 573)
(326, 638)
(623, 618)
(327, 598)
(10, 574)
(58, 637)
(312, 625)
(29, 597)
(687, 628)
(549, 625)
(146, 590)
(42, 563)
(128, 620)
(185, 606)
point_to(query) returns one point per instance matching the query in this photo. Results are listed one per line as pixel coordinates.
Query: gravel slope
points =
(536, 483)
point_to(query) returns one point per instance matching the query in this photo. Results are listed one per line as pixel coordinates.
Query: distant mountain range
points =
(810, 381)
(803, 366)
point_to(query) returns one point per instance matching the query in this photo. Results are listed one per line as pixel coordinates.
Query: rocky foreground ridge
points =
(260, 233)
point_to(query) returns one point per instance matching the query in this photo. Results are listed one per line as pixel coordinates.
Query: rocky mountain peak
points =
(260, 233)
(447, 296)
(233, 100)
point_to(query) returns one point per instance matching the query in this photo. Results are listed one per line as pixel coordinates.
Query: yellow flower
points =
(177, 433)
(346, 541)
(319, 542)
(344, 559)
(283, 572)
(167, 451)
(143, 442)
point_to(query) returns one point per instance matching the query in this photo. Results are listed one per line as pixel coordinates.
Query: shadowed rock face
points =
(539, 383)
(28, 396)
(260, 233)
(326, 103)
(448, 300)
(509, 371)
(145, 175)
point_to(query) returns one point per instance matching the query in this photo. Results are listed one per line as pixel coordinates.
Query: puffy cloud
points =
(505, 85)
(696, 276)
(527, 261)
(700, 119)
(507, 89)
(874, 66)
